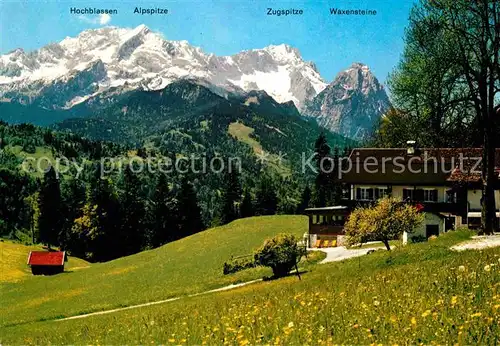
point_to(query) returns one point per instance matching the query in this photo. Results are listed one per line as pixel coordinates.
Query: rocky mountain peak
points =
(360, 65)
(352, 104)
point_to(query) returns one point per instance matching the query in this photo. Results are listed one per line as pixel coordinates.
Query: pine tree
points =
(190, 221)
(304, 200)
(73, 196)
(266, 198)
(336, 185)
(50, 208)
(231, 196)
(162, 214)
(142, 153)
(247, 208)
(132, 213)
(323, 184)
(105, 241)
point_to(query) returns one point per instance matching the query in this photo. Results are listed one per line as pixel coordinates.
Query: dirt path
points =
(340, 253)
(225, 288)
(478, 243)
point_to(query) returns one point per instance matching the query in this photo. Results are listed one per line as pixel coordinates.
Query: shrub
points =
(418, 239)
(387, 220)
(238, 264)
(281, 253)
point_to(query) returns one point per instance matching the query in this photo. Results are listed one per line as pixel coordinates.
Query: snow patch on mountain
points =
(275, 83)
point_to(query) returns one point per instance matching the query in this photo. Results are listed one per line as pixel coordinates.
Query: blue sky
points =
(227, 27)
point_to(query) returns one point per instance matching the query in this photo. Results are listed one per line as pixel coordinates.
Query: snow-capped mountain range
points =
(110, 60)
(113, 57)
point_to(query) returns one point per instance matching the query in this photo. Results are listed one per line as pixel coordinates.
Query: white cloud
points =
(101, 19)
(104, 19)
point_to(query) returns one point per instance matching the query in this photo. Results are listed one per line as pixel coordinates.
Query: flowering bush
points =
(281, 253)
(387, 220)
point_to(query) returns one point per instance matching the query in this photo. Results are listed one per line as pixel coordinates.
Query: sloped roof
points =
(430, 166)
(46, 258)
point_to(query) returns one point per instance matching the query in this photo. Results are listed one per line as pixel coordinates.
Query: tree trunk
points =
(386, 243)
(488, 212)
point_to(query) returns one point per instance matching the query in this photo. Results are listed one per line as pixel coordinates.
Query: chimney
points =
(411, 147)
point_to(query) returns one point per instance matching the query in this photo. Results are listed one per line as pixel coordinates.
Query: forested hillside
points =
(242, 157)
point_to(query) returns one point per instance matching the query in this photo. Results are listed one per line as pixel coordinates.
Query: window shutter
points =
(370, 194)
(405, 194)
(419, 195)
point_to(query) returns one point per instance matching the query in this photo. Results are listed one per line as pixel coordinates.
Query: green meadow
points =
(13, 258)
(190, 265)
(421, 293)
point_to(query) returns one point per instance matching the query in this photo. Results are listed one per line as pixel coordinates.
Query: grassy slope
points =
(13, 257)
(414, 294)
(242, 133)
(190, 265)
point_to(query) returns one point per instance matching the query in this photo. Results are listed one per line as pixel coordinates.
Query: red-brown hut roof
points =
(46, 258)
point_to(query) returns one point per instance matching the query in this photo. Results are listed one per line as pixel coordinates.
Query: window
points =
(371, 193)
(430, 195)
(346, 193)
(451, 196)
(381, 192)
(408, 194)
(364, 193)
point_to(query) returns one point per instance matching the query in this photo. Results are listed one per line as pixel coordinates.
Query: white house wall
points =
(474, 199)
(430, 219)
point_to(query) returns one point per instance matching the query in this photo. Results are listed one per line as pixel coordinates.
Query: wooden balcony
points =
(430, 207)
(326, 229)
(444, 207)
